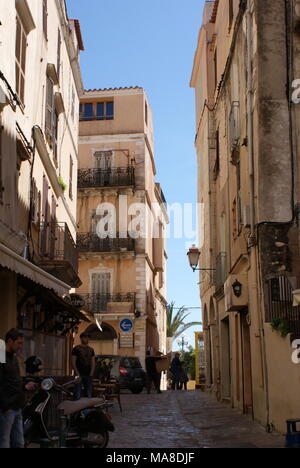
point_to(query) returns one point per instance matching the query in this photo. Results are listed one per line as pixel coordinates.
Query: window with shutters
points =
(103, 160)
(35, 204)
(100, 289)
(21, 46)
(1, 162)
(73, 105)
(55, 136)
(71, 179)
(230, 13)
(58, 54)
(45, 18)
(49, 110)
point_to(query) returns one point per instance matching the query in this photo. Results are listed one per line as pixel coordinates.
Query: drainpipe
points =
(252, 237)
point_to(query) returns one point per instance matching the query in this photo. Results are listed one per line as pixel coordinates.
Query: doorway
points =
(226, 359)
(246, 362)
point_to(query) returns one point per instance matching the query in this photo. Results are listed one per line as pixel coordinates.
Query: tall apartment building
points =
(247, 148)
(40, 84)
(123, 270)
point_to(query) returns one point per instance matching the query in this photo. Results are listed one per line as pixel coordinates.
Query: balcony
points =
(58, 253)
(98, 178)
(280, 304)
(119, 303)
(89, 242)
(221, 270)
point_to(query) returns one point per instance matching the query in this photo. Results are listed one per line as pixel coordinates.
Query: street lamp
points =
(194, 257)
(183, 341)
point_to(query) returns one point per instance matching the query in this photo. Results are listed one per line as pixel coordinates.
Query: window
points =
(45, 18)
(97, 111)
(55, 135)
(73, 105)
(146, 113)
(230, 12)
(58, 53)
(103, 160)
(36, 204)
(49, 109)
(71, 179)
(21, 45)
(1, 174)
(216, 68)
(217, 163)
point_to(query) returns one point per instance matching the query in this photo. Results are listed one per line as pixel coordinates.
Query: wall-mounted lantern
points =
(237, 288)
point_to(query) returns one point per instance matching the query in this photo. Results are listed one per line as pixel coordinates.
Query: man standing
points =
(12, 399)
(83, 359)
(176, 371)
(152, 374)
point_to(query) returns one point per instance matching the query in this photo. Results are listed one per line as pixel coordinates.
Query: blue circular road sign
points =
(126, 325)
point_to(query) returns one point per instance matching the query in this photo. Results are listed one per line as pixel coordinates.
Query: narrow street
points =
(185, 420)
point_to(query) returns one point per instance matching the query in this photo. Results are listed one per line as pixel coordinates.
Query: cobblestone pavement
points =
(185, 420)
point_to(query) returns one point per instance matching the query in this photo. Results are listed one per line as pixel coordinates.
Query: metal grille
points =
(280, 303)
(97, 303)
(88, 242)
(113, 177)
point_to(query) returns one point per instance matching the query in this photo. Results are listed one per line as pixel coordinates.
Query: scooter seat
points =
(72, 407)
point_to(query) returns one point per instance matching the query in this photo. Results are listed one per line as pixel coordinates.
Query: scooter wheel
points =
(103, 442)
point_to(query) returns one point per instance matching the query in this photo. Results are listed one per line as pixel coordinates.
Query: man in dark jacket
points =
(176, 371)
(12, 399)
(152, 374)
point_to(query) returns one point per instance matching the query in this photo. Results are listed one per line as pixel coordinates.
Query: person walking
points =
(184, 378)
(84, 363)
(12, 397)
(153, 376)
(176, 370)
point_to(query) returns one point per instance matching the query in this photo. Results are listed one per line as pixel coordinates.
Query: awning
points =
(66, 307)
(296, 295)
(14, 262)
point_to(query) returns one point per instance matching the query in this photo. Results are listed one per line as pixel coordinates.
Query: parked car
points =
(127, 371)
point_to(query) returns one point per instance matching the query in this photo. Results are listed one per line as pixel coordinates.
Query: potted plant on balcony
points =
(62, 184)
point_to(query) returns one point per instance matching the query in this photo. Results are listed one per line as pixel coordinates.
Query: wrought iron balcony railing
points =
(89, 242)
(57, 248)
(221, 270)
(280, 304)
(97, 303)
(114, 177)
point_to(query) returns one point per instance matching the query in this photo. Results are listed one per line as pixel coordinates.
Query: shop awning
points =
(14, 262)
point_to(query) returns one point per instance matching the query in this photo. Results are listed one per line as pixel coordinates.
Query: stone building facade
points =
(123, 269)
(40, 84)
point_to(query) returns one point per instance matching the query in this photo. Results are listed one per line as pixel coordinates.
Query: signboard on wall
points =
(126, 340)
(126, 325)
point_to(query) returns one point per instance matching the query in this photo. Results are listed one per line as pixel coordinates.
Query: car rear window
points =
(131, 363)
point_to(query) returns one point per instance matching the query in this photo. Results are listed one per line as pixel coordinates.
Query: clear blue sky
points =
(151, 43)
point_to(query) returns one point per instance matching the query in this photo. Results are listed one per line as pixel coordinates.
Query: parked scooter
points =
(50, 419)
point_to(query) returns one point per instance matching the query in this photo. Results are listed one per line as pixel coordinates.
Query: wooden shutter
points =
(71, 179)
(49, 110)
(1, 161)
(58, 53)
(45, 18)
(101, 283)
(21, 45)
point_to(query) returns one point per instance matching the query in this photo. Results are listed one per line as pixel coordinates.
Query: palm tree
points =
(176, 325)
